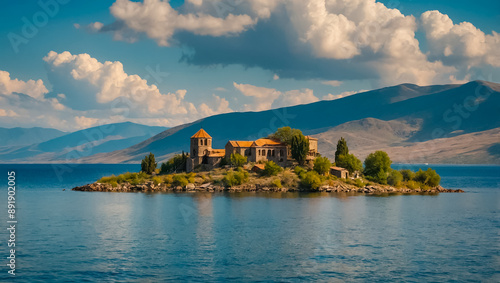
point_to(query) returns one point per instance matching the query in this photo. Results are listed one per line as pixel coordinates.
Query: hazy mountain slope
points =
(82, 143)
(433, 109)
(26, 136)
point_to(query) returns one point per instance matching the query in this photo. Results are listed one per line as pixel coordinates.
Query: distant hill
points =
(82, 143)
(401, 117)
(25, 136)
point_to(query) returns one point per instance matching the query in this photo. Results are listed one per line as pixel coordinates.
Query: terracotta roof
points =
(258, 167)
(201, 134)
(217, 153)
(338, 168)
(263, 142)
(241, 143)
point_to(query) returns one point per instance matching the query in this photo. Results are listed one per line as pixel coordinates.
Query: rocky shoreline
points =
(209, 187)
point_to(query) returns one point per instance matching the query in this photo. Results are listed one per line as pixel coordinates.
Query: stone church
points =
(261, 150)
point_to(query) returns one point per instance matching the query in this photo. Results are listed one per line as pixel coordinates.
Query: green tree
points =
(407, 174)
(271, 169)
(238, 160)
(377, 162)
(428, 177)
(148, 164)
(285, 134)
(349, 162)
(174, 164)
(342, 149)
(235, 178)
(395, 178)
(300, 148)
(311, 180)
(322, 165)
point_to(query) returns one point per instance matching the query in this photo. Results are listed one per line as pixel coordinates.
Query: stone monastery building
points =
(201, 151)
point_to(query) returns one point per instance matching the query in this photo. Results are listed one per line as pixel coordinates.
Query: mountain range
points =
(73, 146)
(455, 123)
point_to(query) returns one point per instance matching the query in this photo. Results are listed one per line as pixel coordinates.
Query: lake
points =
(98, 236)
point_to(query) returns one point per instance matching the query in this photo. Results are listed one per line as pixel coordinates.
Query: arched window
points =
(263, 152)
(269, 153)
(201, 142)
(206, 142)
(273, 152)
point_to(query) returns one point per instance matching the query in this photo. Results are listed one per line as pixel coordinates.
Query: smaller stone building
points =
(339, 172)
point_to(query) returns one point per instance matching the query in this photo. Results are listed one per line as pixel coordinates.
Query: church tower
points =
(201, 145)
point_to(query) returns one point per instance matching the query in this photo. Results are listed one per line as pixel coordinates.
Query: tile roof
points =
(264, 142)
(241, 143)
(338, 168)
(201, 134)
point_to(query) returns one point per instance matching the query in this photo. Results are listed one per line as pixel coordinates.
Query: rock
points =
(190, 187)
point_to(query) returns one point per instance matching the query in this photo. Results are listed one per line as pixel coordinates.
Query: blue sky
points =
(244, 57)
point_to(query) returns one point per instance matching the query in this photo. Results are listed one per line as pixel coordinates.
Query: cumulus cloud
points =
(106, 85)
(267, 98)
(35, 89)
(459, 44)
(262, 97)
(309, 39)
(341, 95)
(159, 21)
(7, 113)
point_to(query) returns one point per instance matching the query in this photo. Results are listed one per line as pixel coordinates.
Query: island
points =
(285, 161)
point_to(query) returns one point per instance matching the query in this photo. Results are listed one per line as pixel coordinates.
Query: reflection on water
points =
(82, 236)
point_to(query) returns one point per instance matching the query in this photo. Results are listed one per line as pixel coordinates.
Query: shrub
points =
(310, 180)
(395, 178)
(407, 174)
(377, 162)
(180, 180)
(428, 177)
(271, 169)
(174, 164)
(412, 185)
(235, 178)
(157, 180)
(299, 171)
(322, 165)
(380, 177)
(238, 160)
(358, 183)
(276, 183)
(148, 164)
(191, 177)
(114, 184)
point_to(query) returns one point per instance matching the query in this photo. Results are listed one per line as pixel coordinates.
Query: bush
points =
(395, 178)
(311, 180)
(288, 179)
(358, 183)
(428, 177)
(271, 169)
(148, 164)
(299, 171)
(157, 180)
(377, 162)
(380, 177)
(180, 180)
(276, 183)
(322, 165)
(174, 164)
(238, 160)
(235, 178)
(349, 162)
(407, 174)
(412, 185)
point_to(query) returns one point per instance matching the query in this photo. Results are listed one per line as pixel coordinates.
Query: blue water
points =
(94, 236)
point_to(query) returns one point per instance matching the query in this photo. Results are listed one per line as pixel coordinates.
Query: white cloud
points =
(7, 113)
(342, 95)
(35, 89)
(217, 105)
(159, 21)
(332, 83)
(85, 122)
(262, 97)
(294, 97)
(220, 89)
(276, 77)
(460, 44)
(268, 98)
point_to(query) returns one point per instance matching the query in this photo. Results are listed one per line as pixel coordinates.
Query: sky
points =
(71, 64)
